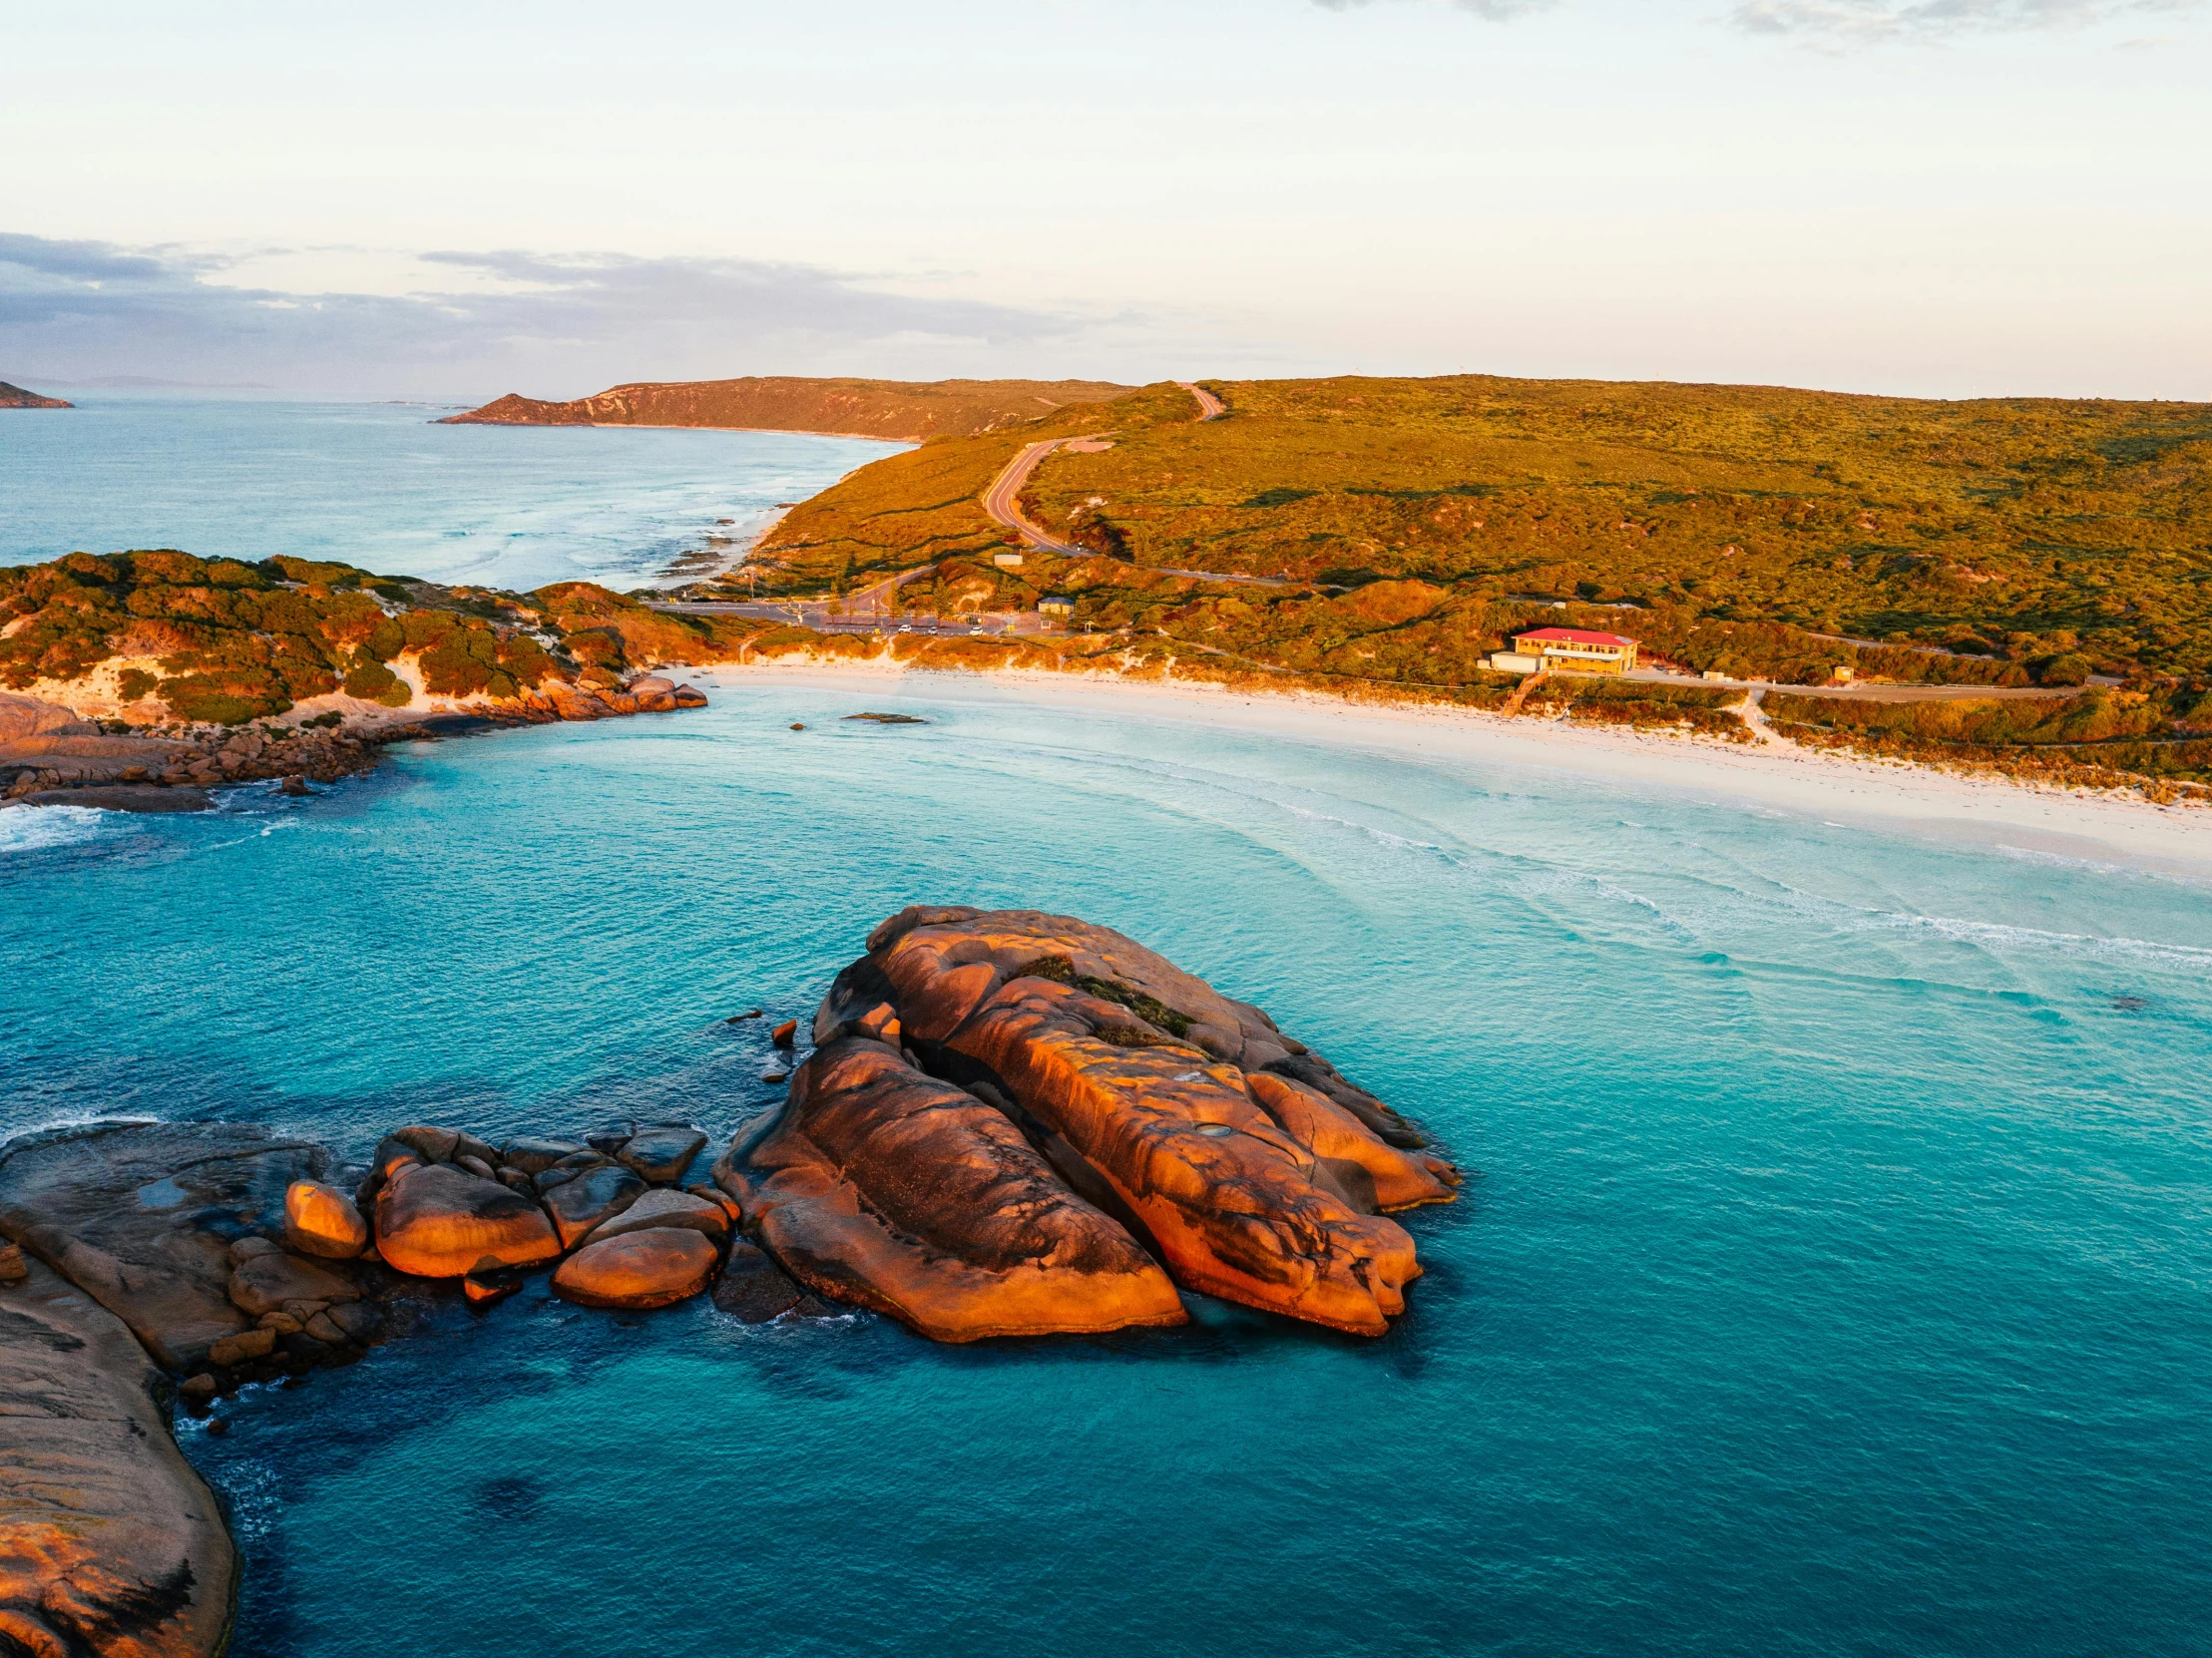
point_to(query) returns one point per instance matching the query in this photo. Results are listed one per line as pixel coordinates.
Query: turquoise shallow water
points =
(379, 485)
(1836, 1278)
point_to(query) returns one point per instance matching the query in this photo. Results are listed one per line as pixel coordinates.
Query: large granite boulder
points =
(435, 1220)
(1136, 1079)
(654, 1268)
(141, 1217)
(108, 1541)
(272, 1281)
(879, 1185)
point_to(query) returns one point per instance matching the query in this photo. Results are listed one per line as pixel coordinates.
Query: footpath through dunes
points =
(1010, 1124)
(901, 411)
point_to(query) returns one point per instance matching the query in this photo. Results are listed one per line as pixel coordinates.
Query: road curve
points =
(1209, 406)
(1002, 500)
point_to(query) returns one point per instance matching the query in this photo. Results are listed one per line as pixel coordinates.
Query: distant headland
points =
(15, 397)
(898, 410)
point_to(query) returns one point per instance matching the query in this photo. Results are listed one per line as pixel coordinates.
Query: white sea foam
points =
(33, 828)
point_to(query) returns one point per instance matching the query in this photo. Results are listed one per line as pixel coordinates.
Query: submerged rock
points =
(753, 1287)
(438, 1221)
(878, 1186)
(110, 1543)
(640, 1270)
(1136, 1081)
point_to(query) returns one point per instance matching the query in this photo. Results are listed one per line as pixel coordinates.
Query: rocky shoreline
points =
(1009, 1123)
(51, 757)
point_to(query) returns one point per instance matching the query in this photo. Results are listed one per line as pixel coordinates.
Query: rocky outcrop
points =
(110, 1543)
(140, 1216)
(657, 1267)
(879, 1185)
(1251, 1166)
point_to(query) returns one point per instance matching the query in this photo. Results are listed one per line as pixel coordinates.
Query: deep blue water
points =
(1836, 1278)
(379, 485)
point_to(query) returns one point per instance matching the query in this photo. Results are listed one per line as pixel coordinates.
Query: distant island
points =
(15, 397)
(898, 410)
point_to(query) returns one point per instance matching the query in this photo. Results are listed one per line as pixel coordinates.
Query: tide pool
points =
(1835, 1278)
(380, 486)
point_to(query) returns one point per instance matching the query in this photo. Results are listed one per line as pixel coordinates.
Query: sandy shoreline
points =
(1989, 812)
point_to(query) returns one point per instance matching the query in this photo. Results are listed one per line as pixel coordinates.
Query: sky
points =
(1940, 197)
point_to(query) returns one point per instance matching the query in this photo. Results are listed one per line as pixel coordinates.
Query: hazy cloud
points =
(1497, 11)
(1837, 21)
(81, 310)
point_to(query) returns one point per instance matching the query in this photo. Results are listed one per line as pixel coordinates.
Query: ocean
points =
(379, 485)
(1832, 1277)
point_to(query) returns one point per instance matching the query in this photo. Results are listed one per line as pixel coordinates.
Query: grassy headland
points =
(161, 637)
(907, 411)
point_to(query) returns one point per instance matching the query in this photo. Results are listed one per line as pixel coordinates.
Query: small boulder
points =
(753, 1287)
(475, 1165)
(580, 1205)
(785, 1033)
(661, 1154)
(715, 1194)
(326, 1328)
(13, 1268)
(441, 1222)
(253, 1244)
(322, 1220)
(199, 1392)
(436, 1144)
(484, 1288)
(266, 1283)
(246, 1344)
(654, 1268)
(535, 1156)
(662, 1207)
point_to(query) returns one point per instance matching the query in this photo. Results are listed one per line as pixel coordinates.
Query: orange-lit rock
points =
(108, 1541)
(1136, 1081)
(322, 1220)
(878, 1186)
(438, 1221)
(654, 1268)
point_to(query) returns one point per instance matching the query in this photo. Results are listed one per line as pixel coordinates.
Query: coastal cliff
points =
(15, 397)
(904, 411)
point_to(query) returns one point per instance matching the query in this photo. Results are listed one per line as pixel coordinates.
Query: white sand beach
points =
(1987, 811)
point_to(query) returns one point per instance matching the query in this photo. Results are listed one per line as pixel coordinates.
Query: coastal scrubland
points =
(1395, 531)
(908, 411)
(159, 636)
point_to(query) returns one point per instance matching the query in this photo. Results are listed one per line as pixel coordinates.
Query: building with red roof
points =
(1575, 649)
